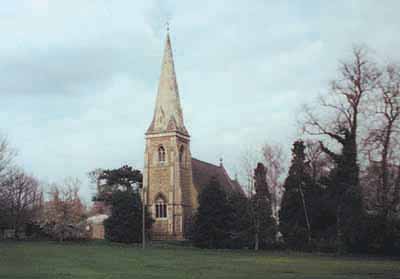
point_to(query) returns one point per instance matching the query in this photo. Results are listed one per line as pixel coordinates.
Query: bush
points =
(61, 232)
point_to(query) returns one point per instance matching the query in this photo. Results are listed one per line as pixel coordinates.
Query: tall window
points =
(161, 208)
(181, 154)
(161, 154)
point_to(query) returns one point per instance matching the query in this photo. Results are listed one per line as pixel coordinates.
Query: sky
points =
(78, 79)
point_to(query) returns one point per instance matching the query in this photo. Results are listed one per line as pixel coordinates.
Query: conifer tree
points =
(241, 217)
(264, 225)
(125, 223)
(345, 193)
(213, 221)
(297, 202)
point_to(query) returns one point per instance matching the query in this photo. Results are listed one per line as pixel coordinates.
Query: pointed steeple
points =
(168, 116)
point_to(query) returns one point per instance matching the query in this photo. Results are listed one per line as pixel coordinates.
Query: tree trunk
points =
(396, 194)
(256, 241)
(384, 169)
(339, 233)
(305, 214)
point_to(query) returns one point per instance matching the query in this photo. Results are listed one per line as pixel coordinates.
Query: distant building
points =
(95, 226)
(172, 178)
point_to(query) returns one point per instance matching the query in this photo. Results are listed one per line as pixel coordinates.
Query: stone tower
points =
(167, 173)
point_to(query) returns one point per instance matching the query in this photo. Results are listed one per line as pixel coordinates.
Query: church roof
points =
(168, 116)
(203, 172)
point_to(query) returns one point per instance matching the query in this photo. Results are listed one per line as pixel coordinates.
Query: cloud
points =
(78, 78)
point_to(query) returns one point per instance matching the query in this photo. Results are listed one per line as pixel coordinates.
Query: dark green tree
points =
(111, 180)
(344, 191)
(299, 210)
(125, 223)
(348, 94)
(263, 224)
(212, 225)
(241, 227)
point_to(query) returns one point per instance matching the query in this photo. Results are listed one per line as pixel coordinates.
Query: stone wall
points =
(172, 180)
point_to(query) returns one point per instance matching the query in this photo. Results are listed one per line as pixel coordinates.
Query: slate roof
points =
(203, 172)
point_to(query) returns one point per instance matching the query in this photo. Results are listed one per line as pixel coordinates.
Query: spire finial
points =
(221, 162)
(167, 26)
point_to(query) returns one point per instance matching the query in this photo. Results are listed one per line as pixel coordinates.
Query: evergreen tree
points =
(240, 228)
(125, 223)
(125, 178)
(298, 203)
(345, 193)
(213, 221)
(264, 225)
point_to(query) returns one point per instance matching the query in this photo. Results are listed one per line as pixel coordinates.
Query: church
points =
(172, 178)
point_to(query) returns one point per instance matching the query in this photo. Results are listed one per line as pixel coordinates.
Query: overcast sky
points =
(78, 78)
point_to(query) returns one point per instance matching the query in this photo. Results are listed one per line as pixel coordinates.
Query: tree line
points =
(342, 189)
(30, 208)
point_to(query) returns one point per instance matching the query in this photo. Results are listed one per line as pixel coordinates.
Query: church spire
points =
(168, 116)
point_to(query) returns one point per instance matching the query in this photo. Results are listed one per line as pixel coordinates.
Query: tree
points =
(241, 228)
(213, 220)
(318, 163)
(64, 212)
(274, 160)
(297, 202)
(22, 200)
(112, 180)
(264, 225)
(6, 157)
(382, 140)
(248, 159)
(125, 223)
(357, 79)
(382, 176)
(25, 199)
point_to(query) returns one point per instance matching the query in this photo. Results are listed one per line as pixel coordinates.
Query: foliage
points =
(348, 94)
(214, 219)
(112, 180)
(263, 224)
(231, 220)
(21, 200)
(345, 193)
(241, 228)
(297, 209)
(64, 211)
(125, 223)
(382, 235)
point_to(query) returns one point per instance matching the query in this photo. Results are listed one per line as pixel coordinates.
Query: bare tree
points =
(383, 139)
(340, 124)
(22, 198)
(342, 106)
(319, 164)
(248, 159)
(7, 154)
(64, 210)
(274, 160)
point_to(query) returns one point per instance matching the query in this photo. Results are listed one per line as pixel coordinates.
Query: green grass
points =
(102, 260)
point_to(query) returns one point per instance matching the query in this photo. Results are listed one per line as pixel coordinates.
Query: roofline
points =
(204, 162)
(166, 134)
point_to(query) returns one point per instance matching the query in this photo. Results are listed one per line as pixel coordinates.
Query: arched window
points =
(181, 154)
(161, 208)
(161, 154)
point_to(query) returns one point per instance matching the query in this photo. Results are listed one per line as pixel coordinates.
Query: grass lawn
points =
(102, 260)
